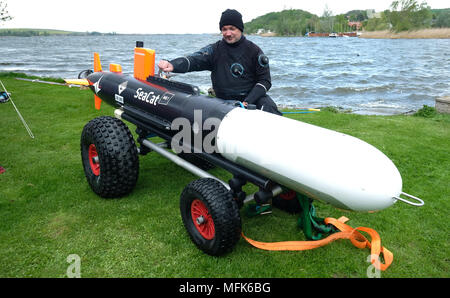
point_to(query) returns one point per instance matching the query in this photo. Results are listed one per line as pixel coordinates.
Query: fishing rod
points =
(5, 96)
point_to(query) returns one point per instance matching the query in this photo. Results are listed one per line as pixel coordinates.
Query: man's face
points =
(231, 34)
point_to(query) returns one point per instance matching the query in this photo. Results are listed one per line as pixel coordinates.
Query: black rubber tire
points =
(223, 210)
(117, 157)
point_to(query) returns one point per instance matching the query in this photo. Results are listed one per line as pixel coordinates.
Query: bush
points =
(426, 111)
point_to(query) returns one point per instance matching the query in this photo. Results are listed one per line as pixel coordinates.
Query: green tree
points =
(341, 24)
(327, 20)
(4, 14)
(356, 15)
(313, 24)
(443, 20)
(286, 22)
(377, 24)
(409, 15)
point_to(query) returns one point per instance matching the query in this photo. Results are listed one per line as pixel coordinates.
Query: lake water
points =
(370, 76)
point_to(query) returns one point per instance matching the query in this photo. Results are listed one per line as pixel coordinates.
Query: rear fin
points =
(98, 102)
(97, 64)
(97, 68)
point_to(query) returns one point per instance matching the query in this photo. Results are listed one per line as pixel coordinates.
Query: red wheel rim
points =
(288, 195)
(93, 160)
(202, 219)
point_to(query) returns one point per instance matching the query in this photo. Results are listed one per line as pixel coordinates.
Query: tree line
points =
(403, 15)
(45, 32)
(408, 15)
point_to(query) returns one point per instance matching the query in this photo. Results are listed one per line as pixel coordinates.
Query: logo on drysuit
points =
(263, 60)
(237, 70)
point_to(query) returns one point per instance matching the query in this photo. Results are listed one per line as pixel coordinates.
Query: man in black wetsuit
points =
(239, 68)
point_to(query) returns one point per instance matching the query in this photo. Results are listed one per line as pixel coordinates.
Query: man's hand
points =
(165, 66)
(245, 103)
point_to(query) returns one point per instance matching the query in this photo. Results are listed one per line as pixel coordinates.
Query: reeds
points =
(423, 33)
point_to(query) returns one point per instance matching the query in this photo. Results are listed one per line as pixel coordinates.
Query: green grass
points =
(48, 211)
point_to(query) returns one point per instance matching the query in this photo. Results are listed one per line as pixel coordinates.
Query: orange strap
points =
(346, 232)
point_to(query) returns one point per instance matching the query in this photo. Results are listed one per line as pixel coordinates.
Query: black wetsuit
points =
(239, 71)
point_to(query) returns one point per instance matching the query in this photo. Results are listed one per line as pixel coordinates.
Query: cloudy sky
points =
(164, 16)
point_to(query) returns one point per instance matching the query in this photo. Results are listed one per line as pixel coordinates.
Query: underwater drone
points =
(274, 153)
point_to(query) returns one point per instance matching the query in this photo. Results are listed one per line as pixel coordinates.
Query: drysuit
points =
(239, 71)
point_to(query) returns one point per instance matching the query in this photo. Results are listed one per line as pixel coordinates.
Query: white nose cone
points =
(323, 164)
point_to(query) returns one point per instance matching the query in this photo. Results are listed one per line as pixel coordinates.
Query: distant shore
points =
(424, 33)
(28, 32)
(441, 33)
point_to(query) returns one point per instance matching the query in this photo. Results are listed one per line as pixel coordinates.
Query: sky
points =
(164, 16)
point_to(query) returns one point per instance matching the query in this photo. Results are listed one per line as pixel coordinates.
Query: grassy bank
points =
(425, 33)
(49, 212)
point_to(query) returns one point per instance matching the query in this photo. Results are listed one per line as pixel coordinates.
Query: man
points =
(239, 68)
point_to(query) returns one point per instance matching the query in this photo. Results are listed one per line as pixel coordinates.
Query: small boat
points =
(334, 34)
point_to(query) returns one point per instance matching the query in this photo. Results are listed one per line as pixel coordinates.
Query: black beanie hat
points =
(231, 17)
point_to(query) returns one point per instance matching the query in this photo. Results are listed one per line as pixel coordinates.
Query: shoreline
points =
(436, 33)
(348, 110)
(433, 33)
